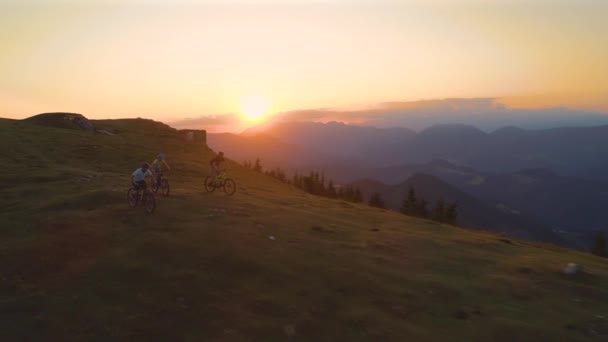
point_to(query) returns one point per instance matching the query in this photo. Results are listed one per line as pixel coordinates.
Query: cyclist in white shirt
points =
(138, 177)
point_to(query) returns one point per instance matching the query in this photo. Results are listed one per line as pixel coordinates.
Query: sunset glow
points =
(170, 60)
(254, 108)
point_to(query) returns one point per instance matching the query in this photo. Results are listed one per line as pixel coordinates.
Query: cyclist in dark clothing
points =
(215, 164)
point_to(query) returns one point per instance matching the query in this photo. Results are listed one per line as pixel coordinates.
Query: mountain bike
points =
(221, 181)
(135, 195)
(162, 183)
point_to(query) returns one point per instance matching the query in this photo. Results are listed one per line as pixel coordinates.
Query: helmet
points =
(145, 166)
(160, 156)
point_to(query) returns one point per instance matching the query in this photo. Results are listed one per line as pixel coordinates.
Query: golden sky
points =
(174, 59)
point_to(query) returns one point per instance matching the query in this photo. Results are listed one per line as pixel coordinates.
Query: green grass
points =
(77, 264)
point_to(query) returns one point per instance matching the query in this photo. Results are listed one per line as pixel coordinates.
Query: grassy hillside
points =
(77, 264)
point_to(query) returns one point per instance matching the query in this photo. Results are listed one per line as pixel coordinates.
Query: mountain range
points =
(574, 151)
(554, 178)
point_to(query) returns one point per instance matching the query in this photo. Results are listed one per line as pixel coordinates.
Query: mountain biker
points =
(215, 164)
(138, 177)
(157, 167)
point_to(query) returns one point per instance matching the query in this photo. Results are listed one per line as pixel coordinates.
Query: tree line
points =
(419, 207)
(443, 211)
(315, 183)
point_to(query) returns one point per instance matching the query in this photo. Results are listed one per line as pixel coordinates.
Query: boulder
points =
(572, 269)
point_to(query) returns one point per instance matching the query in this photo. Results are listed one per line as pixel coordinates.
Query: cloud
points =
(392, 113)
(454, 104)
(323, 115)
(205, 121)
(485, 113)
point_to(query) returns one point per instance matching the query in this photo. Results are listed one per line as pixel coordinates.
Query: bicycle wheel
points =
(132, 197)
(209, 184)
(229, 186)
(164, 187)
(149, 202)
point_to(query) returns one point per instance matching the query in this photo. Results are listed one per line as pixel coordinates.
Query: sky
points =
(172, 60)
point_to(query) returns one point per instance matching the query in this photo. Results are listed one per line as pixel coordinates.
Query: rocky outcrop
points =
(63, 120)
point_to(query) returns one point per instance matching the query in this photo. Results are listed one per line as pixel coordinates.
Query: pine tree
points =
(282, 175)
(410, 205)
(319, 189)
(376, 201)
(322, 181)
(451, 213)
(421, 208)
(599, 246)
(308, 184)
(357, 196)
(258, 166)
(440, 210)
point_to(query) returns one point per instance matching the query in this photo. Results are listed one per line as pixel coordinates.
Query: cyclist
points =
(215, 164)
(138, 177)
(157, 167)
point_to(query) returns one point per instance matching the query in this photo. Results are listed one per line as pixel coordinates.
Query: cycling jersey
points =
(139, 175)
(157, 165)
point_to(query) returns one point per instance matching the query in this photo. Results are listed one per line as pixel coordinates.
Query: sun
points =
(254, 108)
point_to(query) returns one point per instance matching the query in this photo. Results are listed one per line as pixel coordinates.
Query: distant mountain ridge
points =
(271, 151)
(336, 138)
(574, 151)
